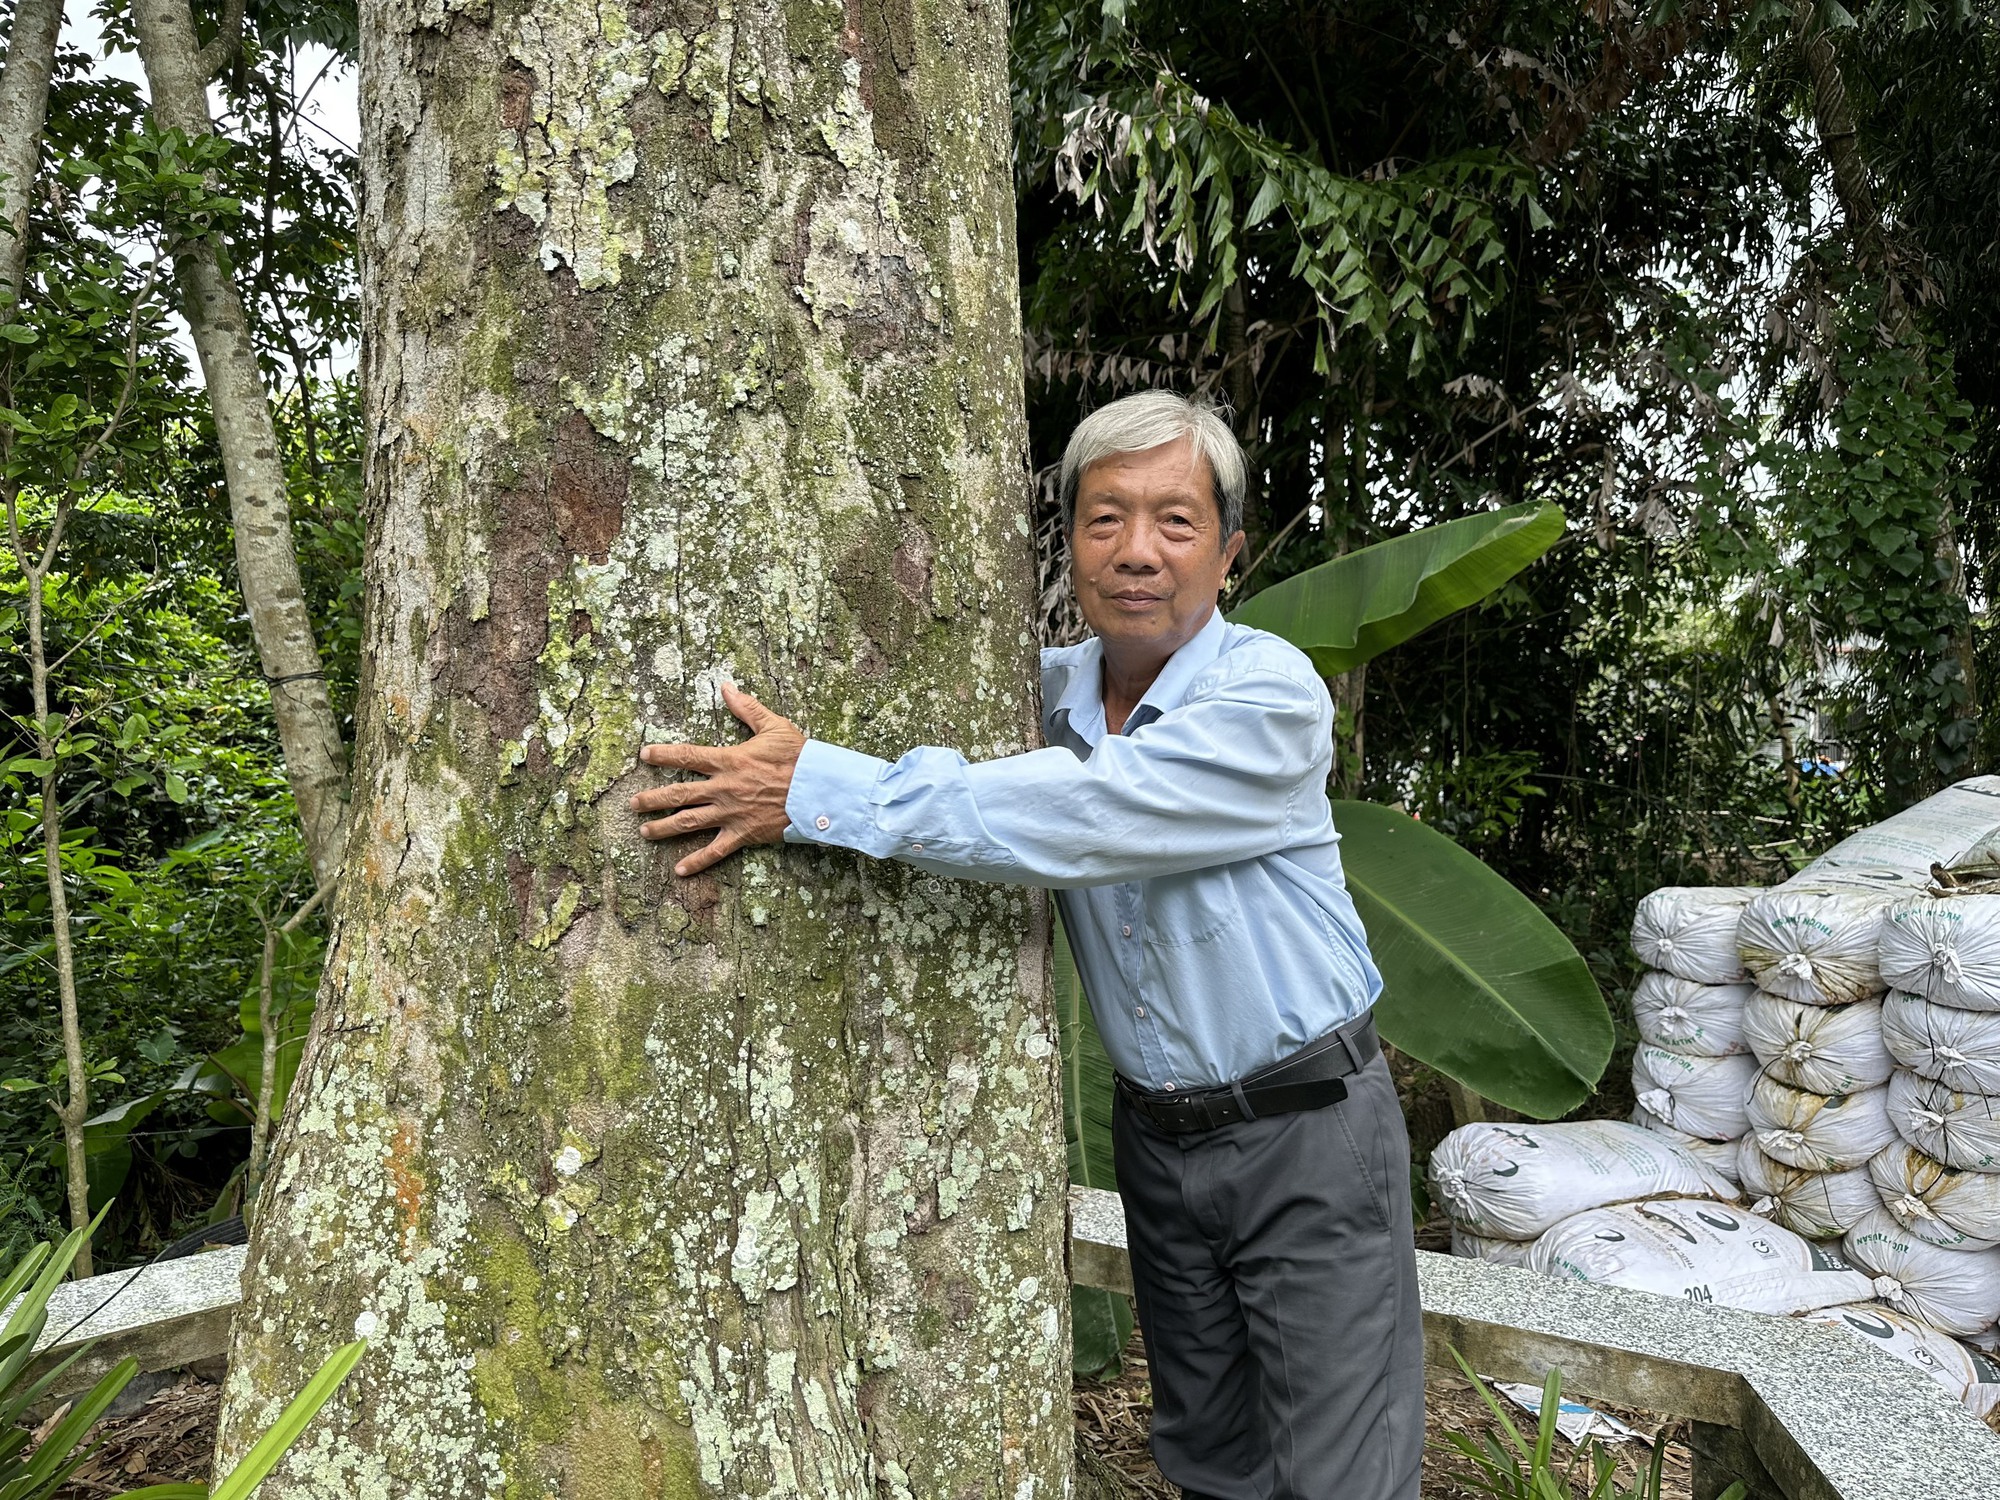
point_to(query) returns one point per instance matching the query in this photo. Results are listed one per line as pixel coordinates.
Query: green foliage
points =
(1846, 521)
(39, 1474)
(1411, 258)
(1475, 981)
(1351, 609)
(1474, 799)
(1520, 1469)
(178, 820)
(1100, 1321)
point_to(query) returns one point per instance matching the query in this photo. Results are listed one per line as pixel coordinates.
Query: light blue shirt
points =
(1193, 855)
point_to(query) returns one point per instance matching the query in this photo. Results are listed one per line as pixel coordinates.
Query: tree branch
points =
(227, 44)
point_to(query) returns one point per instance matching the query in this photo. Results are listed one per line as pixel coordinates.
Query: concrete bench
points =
(1798, 1410)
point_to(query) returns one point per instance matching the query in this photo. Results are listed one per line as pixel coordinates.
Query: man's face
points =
(1147, 554)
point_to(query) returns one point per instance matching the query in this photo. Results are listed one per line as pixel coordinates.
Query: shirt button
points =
(1167, 1088)
(822, 823)
(1126, 931)
(916, 848)
(1138, 1010)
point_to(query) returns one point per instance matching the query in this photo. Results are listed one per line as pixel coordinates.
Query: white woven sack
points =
(1815, 945)
(1957, 1047)
(1690, 931)
(1703, 1020)
(1958, 1210)
(1700, 1251)
(1971, 1376)
(1511, 1182)
(1818, 1205)
(1717, 1156)
(1819, 1132)
(1696, 1095)
(1823, 1049)
(1960, 1130)
(1898, 852)
(1493, 1252)
(1956, 1290)
(1945, 948)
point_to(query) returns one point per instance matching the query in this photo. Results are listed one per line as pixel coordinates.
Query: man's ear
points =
(1230, 551)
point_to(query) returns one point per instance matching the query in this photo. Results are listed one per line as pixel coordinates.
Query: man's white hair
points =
(1149, 419)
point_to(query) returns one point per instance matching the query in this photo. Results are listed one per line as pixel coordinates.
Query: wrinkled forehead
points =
(1174, 471)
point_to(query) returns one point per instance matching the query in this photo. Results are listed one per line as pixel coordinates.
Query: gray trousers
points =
(1277, 1288)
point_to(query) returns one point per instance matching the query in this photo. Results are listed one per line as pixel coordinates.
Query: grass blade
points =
(272, 1446)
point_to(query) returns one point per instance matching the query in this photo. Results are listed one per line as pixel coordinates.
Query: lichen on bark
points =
(692, 353)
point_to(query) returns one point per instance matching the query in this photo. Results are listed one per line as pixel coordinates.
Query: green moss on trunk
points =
(692, 354)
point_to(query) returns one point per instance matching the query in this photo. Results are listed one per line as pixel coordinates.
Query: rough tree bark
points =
(24, 101)
(267, 566)
(691, 350)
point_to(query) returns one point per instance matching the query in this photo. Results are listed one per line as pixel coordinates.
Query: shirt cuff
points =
(832, 797)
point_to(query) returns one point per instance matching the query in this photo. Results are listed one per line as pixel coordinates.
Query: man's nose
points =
(1141, 552)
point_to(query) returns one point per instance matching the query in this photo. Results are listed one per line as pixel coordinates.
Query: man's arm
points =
(1214, 781)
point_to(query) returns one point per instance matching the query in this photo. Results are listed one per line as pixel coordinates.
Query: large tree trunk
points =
(691, 350)
(260, 510)
(24, 101)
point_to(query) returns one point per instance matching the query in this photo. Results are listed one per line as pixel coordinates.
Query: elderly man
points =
(1180, 815)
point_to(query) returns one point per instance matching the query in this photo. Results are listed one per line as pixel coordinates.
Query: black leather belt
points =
(1310, 1078)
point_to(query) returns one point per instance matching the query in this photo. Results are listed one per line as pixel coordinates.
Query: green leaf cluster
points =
(40, 1472)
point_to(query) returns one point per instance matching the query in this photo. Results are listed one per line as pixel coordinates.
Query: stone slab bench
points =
(1796, 1409)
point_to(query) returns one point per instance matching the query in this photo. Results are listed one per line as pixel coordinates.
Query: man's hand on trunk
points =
(743, 795)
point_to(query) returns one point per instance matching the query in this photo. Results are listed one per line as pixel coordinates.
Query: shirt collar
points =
(1082, 701)
(1169, 689)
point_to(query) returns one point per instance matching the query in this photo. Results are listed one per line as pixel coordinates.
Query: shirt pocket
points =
(1199, 906)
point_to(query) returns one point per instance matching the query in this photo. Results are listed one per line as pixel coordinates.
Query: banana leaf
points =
(1353, 608)
(1476, 981)
(1100, 1321)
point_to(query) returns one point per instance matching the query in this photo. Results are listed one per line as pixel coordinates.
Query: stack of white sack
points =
(1815, 1023)
(1702, 1252)
(1816, 938)
(1940, 1182)
(1955, 1290)
(1811, 1176)
(1692, 1071)
(1970, 1373)
(1503, 1185)
(1943, 1025)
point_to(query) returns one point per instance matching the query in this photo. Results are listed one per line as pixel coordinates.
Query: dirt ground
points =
(168, 1440)
(165, 1442)
(1112, 1418)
